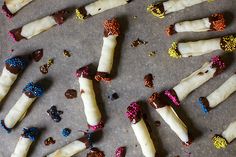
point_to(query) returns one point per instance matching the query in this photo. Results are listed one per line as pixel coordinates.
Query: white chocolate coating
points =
(69, 150)
(195, 80)
(91, 109)
(198, 48)
(6, 80)
(34, 28)
(175, 123)
(230, 133)
(15, 5)
(200, 25)
(176, 5)
(18, 111)
(144, 139)
(223, 92)
(22, 147)
(102, 5)
(107, 55)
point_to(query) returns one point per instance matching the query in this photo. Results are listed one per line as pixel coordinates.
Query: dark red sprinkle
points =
(44, 69)
(120, 152)
(37, 55)
(71, 94)
(95, 152)
(157, 123)
(148, 81)
(49, 141)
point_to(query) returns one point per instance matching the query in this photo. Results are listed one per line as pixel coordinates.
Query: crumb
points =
(152, 54)
(148, 81)
(49, 141)
(55, 114)
(113, 96)
(138, 42)
(71, 94)
(157, 123)
(120, 152)
(37, 55)
(66, 132)
(67, 53)
(95, 152)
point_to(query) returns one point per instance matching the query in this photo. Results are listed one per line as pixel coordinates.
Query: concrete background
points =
(84, 40)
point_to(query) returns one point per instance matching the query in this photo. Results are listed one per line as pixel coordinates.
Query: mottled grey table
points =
(84, 40)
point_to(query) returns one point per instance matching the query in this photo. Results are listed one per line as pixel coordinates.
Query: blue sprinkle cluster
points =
(204, 109)
(66, 132)
(35, 89)
(30, 133)
(17, 62)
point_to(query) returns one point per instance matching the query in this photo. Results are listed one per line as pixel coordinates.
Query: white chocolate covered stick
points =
(134, 114)
(195, 80)
(73, 148)
(25, 141)
(38, 26)
(201, 47)
(18, 111)
(215, 22)
(170, 6)
(11, 7)
(13, 66)
(160, 104)
(111, 32)
(227, 136)
(219, 95)
(98, 7)
(91, 109)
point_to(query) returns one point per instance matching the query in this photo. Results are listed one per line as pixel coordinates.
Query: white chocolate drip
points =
(144, 139)
(69, 150)
(107, 55)
(102, 5)
(175, 123)
(200, 25)
(198, 48)
(195, 80)
(34, 28)
(15, 5)
(6, 80)
(176, 5)
(22, 147)
(18, 111)
(91, 109)
(230, 133)
(223, 92)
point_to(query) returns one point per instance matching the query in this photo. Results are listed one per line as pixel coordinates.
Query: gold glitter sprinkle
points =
(66, 53)
(50, 62)
(228, 43)
(152, 54)
(156, 11)
(79, 15)
(173, 51)
(219, 142)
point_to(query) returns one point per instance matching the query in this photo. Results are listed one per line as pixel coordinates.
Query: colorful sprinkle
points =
(134, 112)
(100, 125)
(172, 97)
(219, 142)
(111, 27)
(203, 107)
(79, 15)
(55, 114)
(218, 22)
(17, 62)
(30, 133)
(34, 89)
(173, 51)
(120, 152)
(49, 141)
(228, 43)
(218, 62)
(66, 132)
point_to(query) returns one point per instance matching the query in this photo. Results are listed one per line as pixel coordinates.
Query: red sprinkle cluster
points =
(134, 112)
(120, 152)
(218, 22)
(111, 27)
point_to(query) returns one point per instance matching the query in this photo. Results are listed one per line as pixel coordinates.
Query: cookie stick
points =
(38, 26)
(134, 114)
(73, 148)
(201, 47)
(13, 66)
(227, 136)
(160, 104)
(92, 112)
(97, 7)
(195, 80)
(170, 6)
(215, 22)
(219, 95)
(27, 138)
(111, 32)
(18, 111)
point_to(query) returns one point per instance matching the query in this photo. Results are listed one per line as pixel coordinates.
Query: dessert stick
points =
(219, 95)
(92, 112)
(160, 104)
(73, 148)
(11, 7)
(18, 111)
(98, 7)
(134, 114)
(27, 138)
(201, 47)
(195, 80)
(13, 66)
(111, 32)
(227, 136)
(38, 26)
(215, 22)
(170, 6)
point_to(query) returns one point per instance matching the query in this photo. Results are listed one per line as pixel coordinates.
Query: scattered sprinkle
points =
(157, 10)
(148, 81)
(37, 55)
(79, 15)
(49, 141)
(71, 94)
(66, 132)
(44, 68)
(120, 152)
(113, 96)
(67, 53)
(173, 51)
(95, 152)
(138, 42)
(55, 114)
(50, 62)
(152, 54)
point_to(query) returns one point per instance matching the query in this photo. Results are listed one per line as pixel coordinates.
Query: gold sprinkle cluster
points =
(219, 142)
(173, 51)
(228, 43)
(79, 15)
(155, 11)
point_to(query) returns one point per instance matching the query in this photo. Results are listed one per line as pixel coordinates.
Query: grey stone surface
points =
(84, 40)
